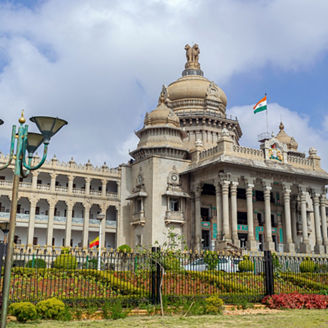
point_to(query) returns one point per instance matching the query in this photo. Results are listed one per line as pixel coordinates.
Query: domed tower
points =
(161, 134)
(200, 105)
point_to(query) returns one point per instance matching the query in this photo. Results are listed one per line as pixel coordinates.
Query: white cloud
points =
(100, 64)
(296, 126)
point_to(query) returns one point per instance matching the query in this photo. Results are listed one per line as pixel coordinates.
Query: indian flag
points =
(95, 242)
(261, 105)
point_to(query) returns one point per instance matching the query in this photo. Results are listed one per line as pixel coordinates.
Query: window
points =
(259, 195)
(138, 205)
(138, 240)
(174, 204)
(242, 218)
(241, 193)
(205, 214)
(39, 181)
(259, 219)
(37, 210)
(274, 223)
(53, 241)
(35, 241)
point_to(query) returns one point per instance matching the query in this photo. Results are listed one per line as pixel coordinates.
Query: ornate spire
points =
(163, 96)
(281, 126)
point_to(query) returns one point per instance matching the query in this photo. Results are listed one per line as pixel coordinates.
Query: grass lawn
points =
(285, 319)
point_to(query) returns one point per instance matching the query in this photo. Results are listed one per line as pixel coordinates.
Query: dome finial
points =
(192, 66)
(281, 126)
(163, 96)
(22, 118)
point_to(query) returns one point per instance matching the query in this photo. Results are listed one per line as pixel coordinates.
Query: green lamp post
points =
(24, 144)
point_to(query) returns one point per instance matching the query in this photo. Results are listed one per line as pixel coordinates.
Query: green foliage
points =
(23, 311)
(65, 250)
(171, 262)
(307, 265)
(124, 248)
(117, 311)
(65, 261)
(36, 263)
(304, 282)
(214, 305)
(211, 259)
(51, 308)
(92, 264)
(246, 265)
(321, 268)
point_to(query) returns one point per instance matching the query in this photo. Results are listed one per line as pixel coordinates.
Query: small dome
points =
(162, 115)
(195, 86)
(283, 137)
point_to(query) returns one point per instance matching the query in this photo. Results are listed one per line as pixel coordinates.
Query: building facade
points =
(188, 173)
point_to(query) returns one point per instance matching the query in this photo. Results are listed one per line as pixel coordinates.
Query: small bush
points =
(171, 263)
(246, 265)
(36, 263)
(65, 261)
(214, 305)
(51, 308)
(321, 268)
(117, 311)
(124, 248)
(211, 259)
(23, 311)
(307, 265)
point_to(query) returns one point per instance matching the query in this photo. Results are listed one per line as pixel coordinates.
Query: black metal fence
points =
(76, 275)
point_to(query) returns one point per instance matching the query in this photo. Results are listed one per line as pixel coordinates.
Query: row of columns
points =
(68, 229)
(223, 185)
(70, 183)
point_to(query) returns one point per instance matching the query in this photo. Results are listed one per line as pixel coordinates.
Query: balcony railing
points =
(41, 217)
(78, 191)
(22, 216)
(60, 218)
(43, 187)
(77, 220)
(111, 223)
(95, 192)
(60, 188)
(94, 221)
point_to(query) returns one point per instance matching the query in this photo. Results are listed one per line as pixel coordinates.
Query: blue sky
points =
(100, 65)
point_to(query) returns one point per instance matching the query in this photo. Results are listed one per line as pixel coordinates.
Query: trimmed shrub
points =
(321, 268)
(214, 305)
(246, 265)
(307, 265)
(23, 311)
(36, 263)
(124, 248)
(51, 308)
(65, 261)
(211, 259)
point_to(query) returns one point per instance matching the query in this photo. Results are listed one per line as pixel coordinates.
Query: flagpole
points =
(266, 114)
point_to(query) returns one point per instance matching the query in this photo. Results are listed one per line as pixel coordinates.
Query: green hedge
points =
(304, 282)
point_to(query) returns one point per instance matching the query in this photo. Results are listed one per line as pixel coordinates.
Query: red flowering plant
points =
(296, 301)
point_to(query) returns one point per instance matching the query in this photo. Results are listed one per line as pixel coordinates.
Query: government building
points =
(188, 174)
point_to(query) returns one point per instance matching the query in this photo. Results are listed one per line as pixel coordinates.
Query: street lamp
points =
(26, 144)
(100, 217)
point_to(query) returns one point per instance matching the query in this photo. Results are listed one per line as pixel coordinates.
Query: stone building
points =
(188, 173)
(58, 204)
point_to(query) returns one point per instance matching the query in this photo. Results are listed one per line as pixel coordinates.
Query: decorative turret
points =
(284, 138)
(161, 134)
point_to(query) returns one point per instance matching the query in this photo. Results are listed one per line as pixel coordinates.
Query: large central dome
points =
(200, 104)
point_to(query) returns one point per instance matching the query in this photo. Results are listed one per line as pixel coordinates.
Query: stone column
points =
(103, 187)
(86, 225)
(305, 245)
(53, 182)
(218, 197)
(268, 243)
(225, 210)
(289, 246)
(34, 179)
(324, 221)
(50, 229)
(68, 234)
(103, 226)
(70, 183)
(294, 221)
(31, 222)
(87, 185)
(234, 226)
(251, 242)
(318, 248)
(198, 219)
